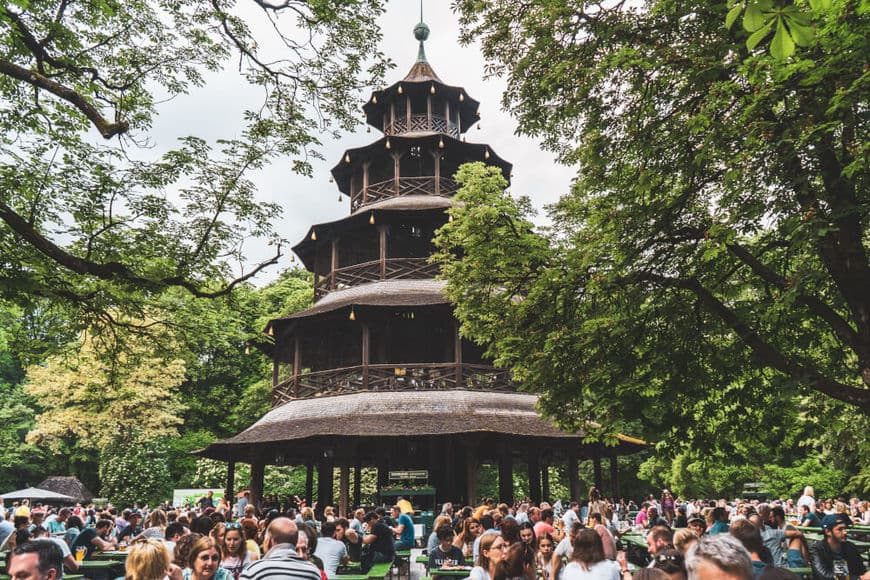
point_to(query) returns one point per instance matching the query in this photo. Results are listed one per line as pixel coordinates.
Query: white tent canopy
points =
(34, 493)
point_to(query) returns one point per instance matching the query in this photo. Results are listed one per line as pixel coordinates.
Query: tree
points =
(134, 470)
(103, 226)
(710, 261)
(88, 401)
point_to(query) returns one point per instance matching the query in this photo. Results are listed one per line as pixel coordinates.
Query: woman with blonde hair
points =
(684, 538)
(203, 562)
(155, 526)
(150, 560)
(432, 542)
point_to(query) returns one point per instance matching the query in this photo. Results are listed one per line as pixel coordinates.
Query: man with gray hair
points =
(719, 557)
(281, 559)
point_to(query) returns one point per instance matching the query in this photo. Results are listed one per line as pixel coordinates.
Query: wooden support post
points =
(324, 483)
(573, 478)
(230, 487)
(534, 476)
(596, 464)
(309, 483)
(258, 469)
(457, 349)
(343, 489)
(545, 481)
(382, 249)
(296, 366)
(470, 472)
(505, 475)
(383, 474)
(366, 341)
(357, 486)
(614, 476)
(334, 265)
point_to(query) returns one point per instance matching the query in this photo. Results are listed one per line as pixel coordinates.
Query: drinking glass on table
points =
(80, 553)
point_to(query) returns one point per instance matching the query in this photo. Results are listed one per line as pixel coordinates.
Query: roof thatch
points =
(67, 485)
(406, 202)
(373, 414)
(384, 293)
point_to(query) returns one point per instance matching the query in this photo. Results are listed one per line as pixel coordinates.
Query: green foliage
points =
(827, 481)
(105, 228)
(701, 278)
(135, 470)
(792, 23)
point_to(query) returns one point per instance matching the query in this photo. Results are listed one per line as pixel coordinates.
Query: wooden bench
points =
(402, 562)
(380, 571)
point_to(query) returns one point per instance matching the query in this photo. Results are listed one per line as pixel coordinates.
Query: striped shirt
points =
(281, 562)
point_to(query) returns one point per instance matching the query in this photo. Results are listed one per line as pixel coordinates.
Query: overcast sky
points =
(309, 201)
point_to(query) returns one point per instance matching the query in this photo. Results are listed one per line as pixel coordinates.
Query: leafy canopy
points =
(710, 261)
(88, 216)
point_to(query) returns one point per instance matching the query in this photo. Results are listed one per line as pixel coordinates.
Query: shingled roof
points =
(67, 485)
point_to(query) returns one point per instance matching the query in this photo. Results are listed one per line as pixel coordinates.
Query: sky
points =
(308, 201)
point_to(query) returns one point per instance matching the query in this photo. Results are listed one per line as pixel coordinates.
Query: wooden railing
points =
(393, 377)
(389, 269)
(403, 186)
(423, 124)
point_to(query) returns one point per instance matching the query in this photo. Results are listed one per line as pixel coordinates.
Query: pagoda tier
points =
(397, 166)
(421, 103)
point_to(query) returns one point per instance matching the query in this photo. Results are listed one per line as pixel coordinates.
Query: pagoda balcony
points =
(400, 186)
(393, 377)
(374, 271)
(422, 124)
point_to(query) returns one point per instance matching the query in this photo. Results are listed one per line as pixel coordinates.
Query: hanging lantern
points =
(450, 218)
(388, 143)
(271, 331)
(432, 89)
(441, 143)
(375, 99)
(339, 198)
(368, 129)
(477, 113)
(461, 97)
(331, 179)
(478, 126)
(400, 89)
(313, 236)
(352, 314)
(247, 349)
(512, 175)
(372, 218)
(486, 154)
(347, 157)
(292, 257)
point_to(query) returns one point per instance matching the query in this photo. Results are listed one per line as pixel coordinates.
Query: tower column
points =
(324, 482)
(573, 478)
(309, 482)
(258, 468)
(505, 475)
(545, 481)
(534, 476)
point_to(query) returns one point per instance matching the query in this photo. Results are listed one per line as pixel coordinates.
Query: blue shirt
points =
(407, 535)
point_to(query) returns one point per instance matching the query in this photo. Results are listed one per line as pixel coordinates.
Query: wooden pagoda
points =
(375, 373)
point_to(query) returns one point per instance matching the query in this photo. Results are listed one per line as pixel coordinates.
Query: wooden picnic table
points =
(115, 555)
(463, 572)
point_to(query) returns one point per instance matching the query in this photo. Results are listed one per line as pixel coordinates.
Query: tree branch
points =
(762, 349)
(106, 128)
(115, 271)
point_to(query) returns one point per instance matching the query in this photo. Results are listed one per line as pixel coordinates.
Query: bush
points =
(135, 472)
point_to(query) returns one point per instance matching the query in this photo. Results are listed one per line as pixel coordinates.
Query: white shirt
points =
(569, 518)
(603, 570)
(808, 501)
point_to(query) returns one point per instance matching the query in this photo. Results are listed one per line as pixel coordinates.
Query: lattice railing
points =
(423, 124)
(395, 377)
(393, 269)
(406, 186)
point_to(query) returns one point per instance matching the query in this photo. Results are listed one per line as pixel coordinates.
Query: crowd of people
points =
(215, 540)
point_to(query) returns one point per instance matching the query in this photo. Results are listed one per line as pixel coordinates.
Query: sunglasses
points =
(235, 526)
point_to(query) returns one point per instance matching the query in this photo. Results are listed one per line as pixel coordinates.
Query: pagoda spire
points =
(421, 33)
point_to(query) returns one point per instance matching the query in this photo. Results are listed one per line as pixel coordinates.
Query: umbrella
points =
(37, 494)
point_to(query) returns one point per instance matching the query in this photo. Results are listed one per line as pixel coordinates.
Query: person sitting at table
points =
(491, 552)
(183, 546)
(607, 538)
(808, 518)
(151, 560)
(544, 555)
(719, 556)
(94, 539)
(657, 539)
(445, 553)
(518, 563)
(203, 561)
(347, 536)
(432, 542)
(720, 521)
(234, 551)
(684, 538)
(379, 540)
(469, 530)
(37, 560)
(563, 551)
(587, 559)
(69, 561)
(834, 556)
(306, 545)
(404, 529)
(331, 551)
(133, 528)
(74, 526)
(748, 534)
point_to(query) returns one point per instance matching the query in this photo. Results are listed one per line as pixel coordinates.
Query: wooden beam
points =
(324, 483)
(471, 465)
(573, 477)
(258, 469)
(534, 466)
(545, 481)
(230, 487)
(357, 485)
(505, 475)
(343, 489)
(309, 483)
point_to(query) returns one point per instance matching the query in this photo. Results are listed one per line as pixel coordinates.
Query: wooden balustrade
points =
(393, 269)
(406, 186)
(393, 377)
(423, 124)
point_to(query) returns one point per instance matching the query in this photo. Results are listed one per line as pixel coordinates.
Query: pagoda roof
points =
(373, 414)
(402, 293)
(472, 151)
(422, 72)
(416, 203)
